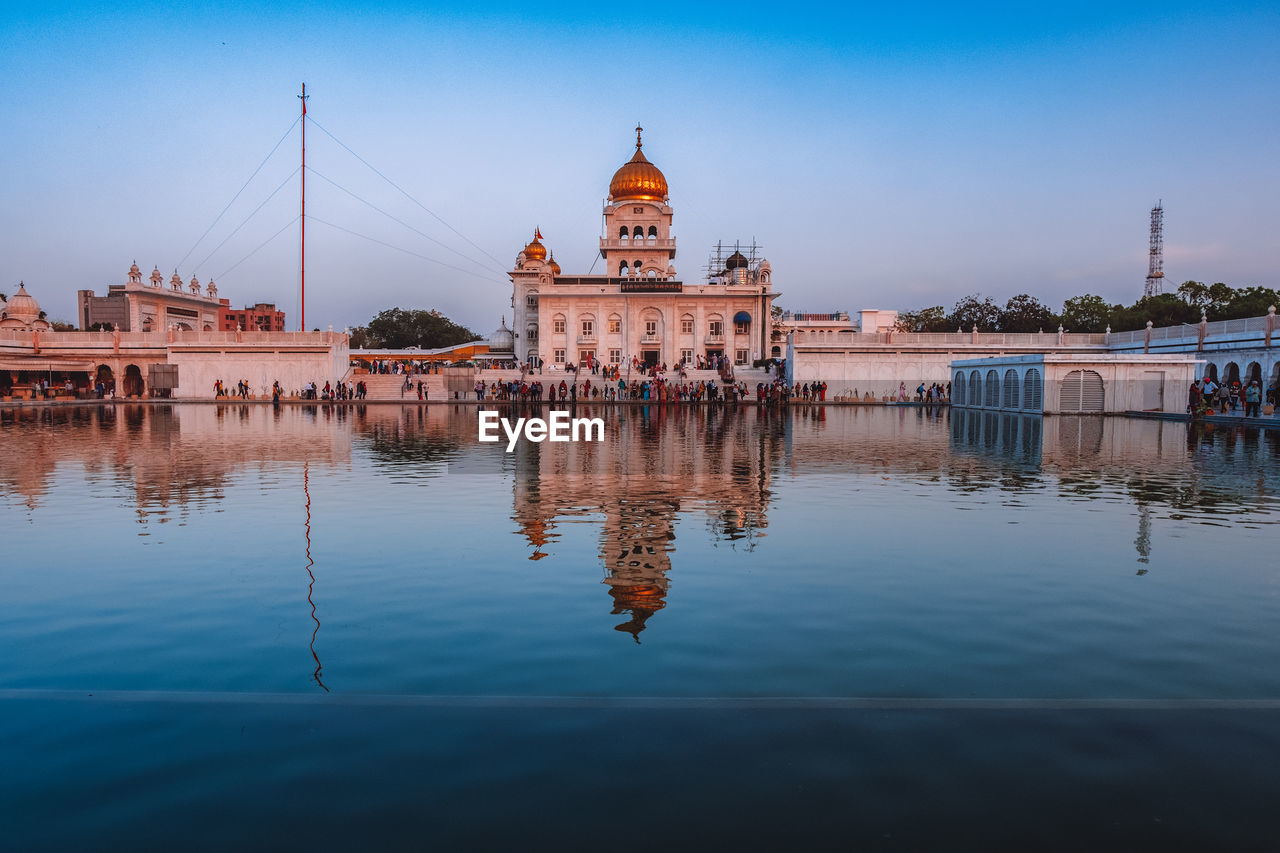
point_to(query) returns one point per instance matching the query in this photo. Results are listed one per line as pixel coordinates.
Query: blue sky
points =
(884, 156)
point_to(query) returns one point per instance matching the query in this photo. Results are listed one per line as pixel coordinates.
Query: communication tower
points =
(1155, 272)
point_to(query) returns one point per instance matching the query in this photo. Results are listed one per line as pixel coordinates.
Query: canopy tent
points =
(742, 317)
(45, 365)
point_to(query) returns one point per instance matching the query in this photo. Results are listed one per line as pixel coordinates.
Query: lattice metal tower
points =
(1155, 272)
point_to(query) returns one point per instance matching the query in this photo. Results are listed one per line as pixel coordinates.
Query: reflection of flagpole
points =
(306, 490)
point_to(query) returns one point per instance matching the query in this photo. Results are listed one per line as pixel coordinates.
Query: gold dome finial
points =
(638, 179)
(535, 251)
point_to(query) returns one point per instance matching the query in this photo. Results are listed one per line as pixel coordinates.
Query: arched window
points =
(623, 271)
(1032, 391)
(686, 324)
(622, 233)
(653, 273)
(1082, 391)
(1010, 399)
(957, 389)
(975, 389)
(653, 232)
(557, 324)
(991, 390)
(637, 232)
(636, 265)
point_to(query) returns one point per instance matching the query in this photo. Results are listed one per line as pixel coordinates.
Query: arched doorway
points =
(1231, 373)
(6, 383)
(975, 388)
(106, 378)
(1211, 372)
(1253, 373)
(133, 384)
(1082, 391)
(957, 390)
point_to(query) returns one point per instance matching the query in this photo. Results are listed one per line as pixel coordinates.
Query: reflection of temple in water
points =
(169, 456)
(655, 465)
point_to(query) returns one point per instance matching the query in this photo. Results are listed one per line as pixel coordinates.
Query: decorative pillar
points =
(1271, 324)
(1106, 336)
(1061, 335)
(975, 333)
(1146, 344)
(1203, 330)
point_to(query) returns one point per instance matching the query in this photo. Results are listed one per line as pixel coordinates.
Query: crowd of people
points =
(1207, 396)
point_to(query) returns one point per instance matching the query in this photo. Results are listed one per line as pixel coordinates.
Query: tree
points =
(1195, 293)
(398, 329)
(1248, 302)
(932, 319)
(1162, 309)
(62, 326)
(1025, 313)
(102, 327)
(1086, 313)
(1220, 296)
(974, 310)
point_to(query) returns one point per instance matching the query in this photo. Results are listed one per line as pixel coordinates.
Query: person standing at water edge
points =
(1252, 399)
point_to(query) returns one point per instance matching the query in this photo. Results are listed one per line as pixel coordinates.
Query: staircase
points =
(387, 386)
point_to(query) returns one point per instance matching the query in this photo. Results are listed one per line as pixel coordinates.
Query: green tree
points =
(397, 329)
(1195, 293)
(1164, 309)
(1248, 302)
(1086, 313)
(1025, 313)
(974, 310)
(932, 319)
(1220, 296)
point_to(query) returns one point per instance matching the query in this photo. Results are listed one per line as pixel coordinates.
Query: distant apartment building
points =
(262, 317)
(138, 306)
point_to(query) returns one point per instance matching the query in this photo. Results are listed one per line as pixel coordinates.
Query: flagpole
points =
(302, 267)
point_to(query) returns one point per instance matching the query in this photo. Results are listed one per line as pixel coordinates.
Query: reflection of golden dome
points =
(535, 251)
(638, 179)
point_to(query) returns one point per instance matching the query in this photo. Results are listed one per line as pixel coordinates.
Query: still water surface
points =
(335, 625)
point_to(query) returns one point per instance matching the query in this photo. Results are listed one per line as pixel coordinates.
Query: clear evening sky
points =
(889, 155)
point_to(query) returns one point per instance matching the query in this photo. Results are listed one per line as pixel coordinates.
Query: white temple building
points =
(639, 308)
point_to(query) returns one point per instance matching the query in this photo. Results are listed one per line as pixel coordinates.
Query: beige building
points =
(136, 306)
(21, 313)
(639, 307)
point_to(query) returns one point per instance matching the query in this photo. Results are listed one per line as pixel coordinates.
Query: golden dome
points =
(555, 268)
(535, 251)
(638, 179)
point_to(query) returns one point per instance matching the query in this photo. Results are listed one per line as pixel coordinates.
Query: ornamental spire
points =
(639, 144)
